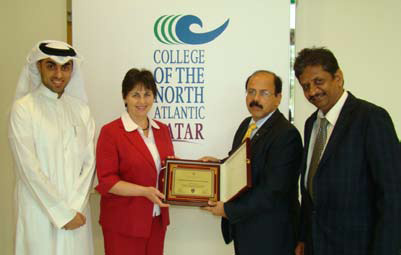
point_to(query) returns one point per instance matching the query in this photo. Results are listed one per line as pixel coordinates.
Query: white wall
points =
(22, 24)
(364, 36)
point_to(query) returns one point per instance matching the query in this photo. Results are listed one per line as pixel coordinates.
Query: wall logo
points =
(175, 29)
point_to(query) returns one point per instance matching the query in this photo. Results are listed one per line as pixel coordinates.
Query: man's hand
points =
(216, 208)
(78, 221)
(299, 250)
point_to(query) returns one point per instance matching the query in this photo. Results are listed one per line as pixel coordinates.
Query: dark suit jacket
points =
(262, 220)
(122, 155)
(357, 186)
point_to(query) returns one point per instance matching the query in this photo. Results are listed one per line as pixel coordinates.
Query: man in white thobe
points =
(51, 135)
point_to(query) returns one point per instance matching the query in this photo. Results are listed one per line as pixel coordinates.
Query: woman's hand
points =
(168, 157)
(123, 188)
(209, 159)
(154, 195)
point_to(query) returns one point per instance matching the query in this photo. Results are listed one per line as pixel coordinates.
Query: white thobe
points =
(52, 143)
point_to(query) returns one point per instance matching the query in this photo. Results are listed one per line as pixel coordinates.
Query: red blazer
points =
(122, 155)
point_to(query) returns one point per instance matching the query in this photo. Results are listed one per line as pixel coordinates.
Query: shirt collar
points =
(42, 89)
(262, 121)
(130, 125)
(334, 112)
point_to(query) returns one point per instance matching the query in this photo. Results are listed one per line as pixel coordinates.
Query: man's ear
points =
(338, 76)
(279, 96)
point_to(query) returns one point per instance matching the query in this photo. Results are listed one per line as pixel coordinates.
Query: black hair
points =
(278, 84)
(315, 57)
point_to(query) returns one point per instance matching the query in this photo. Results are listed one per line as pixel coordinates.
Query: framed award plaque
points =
(194, 183)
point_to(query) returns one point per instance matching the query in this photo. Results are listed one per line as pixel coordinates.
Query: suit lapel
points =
(136, 140)
(308, 131)
(343, 121)
(161, 148)
(262, 132)
(240, 134)
(307, 136)
(259, 134)
(266, 127)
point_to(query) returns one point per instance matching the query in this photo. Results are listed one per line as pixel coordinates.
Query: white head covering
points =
(61, 53)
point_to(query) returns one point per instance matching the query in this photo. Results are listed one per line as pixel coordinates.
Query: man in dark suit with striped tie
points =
(351, 170)
(262, 220)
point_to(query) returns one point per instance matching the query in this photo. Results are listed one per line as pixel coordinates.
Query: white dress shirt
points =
(259, 123)
(331, 116)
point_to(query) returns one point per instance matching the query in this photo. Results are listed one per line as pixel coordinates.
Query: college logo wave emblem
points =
(175, 29)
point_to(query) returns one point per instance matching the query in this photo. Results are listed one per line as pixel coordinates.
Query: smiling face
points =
(321, 88)
(260, 95)
(55, 76)
(139, 101)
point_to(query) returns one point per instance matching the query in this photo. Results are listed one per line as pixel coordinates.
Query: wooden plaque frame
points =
(194, 183)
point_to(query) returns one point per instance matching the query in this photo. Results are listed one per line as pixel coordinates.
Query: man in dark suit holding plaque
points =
(262, 220)
(351, 170)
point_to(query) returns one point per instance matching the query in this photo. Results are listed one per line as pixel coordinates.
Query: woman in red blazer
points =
(129, 157)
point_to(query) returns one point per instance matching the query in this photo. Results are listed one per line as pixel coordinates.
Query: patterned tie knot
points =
(323, 123)
(249, 131)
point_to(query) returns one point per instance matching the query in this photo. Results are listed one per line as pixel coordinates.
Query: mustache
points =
(314, 96)
(255, 103)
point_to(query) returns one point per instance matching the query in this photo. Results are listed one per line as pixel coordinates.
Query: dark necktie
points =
(317, 153)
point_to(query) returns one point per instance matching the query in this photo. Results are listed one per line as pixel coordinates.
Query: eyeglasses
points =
(262, 93)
